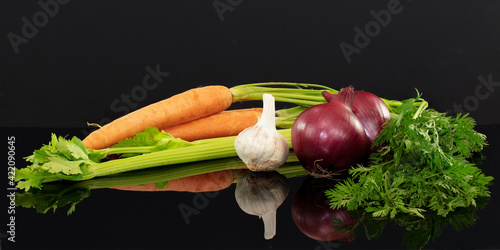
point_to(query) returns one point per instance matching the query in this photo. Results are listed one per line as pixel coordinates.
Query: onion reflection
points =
(314, 217)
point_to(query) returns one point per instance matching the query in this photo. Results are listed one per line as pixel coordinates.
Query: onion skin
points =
(372, 112)
(312, 215)
(329, 136)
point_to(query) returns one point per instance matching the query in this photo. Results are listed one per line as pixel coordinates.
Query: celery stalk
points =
(207, 149)
(201, 150)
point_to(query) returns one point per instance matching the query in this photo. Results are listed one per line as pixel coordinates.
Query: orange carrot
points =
(225, 123)
(208, 182)
(181, 108)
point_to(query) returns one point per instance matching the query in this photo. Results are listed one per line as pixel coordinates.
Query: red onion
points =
(372, 112)
(314, 217)
(329, 136)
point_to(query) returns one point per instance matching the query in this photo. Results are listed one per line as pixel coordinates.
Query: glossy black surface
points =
(112, 219)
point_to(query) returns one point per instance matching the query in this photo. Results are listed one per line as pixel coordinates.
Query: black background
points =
(92, 53)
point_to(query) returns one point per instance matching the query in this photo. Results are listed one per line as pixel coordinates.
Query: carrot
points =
(225, 123)
(207, 182)
(199, 103)
(181, 108)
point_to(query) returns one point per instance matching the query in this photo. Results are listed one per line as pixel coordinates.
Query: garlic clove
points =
(261, 147)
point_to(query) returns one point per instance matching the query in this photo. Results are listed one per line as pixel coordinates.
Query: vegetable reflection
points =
(67, 193)
(314, 217)
(208, 182)
(53, 196)
(317, 220)
(418, 231)
(59, 194)
(260, 194)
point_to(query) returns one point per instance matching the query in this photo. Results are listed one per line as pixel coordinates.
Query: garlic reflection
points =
(261, 193)
(261, 147)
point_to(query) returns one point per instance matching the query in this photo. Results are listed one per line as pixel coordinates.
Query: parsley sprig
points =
(422, 164)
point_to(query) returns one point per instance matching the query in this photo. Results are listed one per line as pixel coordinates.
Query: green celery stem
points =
(208, 149)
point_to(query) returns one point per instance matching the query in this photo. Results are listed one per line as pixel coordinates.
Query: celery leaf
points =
(151, 137)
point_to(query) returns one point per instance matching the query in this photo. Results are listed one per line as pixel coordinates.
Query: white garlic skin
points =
(261, 147)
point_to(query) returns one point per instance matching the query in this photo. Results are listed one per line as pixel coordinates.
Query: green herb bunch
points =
(422, 164)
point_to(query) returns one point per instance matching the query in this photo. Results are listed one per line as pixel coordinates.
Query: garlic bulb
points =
(261, 193)
(261, 147)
